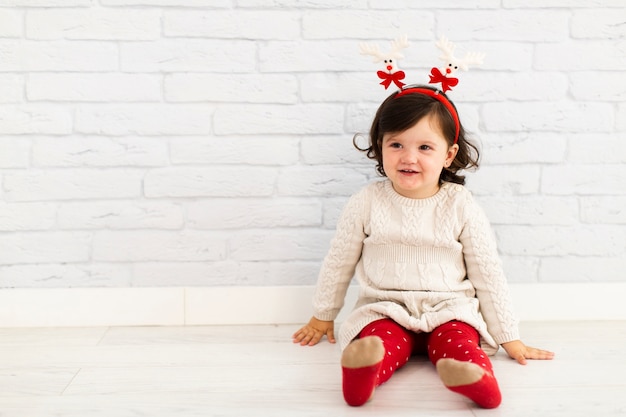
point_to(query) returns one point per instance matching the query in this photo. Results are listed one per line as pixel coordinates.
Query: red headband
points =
(438, 95)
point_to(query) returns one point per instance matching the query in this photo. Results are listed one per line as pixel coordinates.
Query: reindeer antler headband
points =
(393, 74)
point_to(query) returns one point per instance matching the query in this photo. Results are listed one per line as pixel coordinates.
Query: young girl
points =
(425, 257)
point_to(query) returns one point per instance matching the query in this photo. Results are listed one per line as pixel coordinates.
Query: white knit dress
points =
(420, 262)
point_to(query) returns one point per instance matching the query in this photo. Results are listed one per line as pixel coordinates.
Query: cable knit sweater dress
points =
(420, 262)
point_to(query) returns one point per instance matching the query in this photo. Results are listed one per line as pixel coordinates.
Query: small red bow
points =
(446, 82)
(389, 78)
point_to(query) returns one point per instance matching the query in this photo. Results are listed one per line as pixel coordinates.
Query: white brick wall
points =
(208, 142)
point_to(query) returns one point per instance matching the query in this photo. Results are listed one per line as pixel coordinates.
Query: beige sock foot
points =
(367, 351)
(455, 373)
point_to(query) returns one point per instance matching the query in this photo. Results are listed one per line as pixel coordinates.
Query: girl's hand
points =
(520, 352)
(313, 332)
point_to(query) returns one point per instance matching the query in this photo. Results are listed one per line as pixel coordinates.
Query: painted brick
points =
(132, 246)
(49, 185)
(44, 247)
(551, 117)
(354, 24)
(531, 210)
(319, 181)
(94, 87)
(27, 216)
(14, 152)
(253, 213)
(582, 269)
(10, 23)
(584, 179)
(596, 148)
(587, 86)
(528, 147)
(98, 151)
(535, 26)
(581, 56)
(149, 119)
(12, 88)
(227, 88)
(505, 180)
(193, 55)
(323, 150)
(275, 119)
(29, 56)
(119, 215)
(603, 210)
(252, 150)
(279, 245)
(203, 182)
(599, 24)
(100, 23)
(257, 24)
(62, 275)
(35, 118)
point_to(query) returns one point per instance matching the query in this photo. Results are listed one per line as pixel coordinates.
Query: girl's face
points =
(414, 158)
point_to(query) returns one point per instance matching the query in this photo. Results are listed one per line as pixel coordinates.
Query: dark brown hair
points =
(397, 114)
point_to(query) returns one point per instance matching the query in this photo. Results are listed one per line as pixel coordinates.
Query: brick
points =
(97, 151)
(144, 246)
(94, 87)
(65, 275)
(34, 118)
(504, 25)
(27, 216)
(332, 210)
(582, 269)
(597, 240)
(189, 55)
(550, 117)
(324, 150)
(581, 56)
(231, 88)
(239, 24)
(319, 181)
(45, 3)
(531, 210)
(146, 119)
(49, 185)
(253, 213)
(71, 56)
(589, 86)
(254, 150)
(523, 148)
(504, 180)
(584, 179)
(621, 117)
(603, 210)
(596, 148)
(210, 182)
(433, 4)
(308, 56)
(279, 245)
(356, 24)
(598, 24)
(342, 87)
(520, 269)
(486, 86)
(14, 152)
(275, 119)
(537, 4)
(305, 4)
(44, 247)
(95, 23)
(190, 274)
(221, 4)
(10, 24)
(119, 215)
(11, 88)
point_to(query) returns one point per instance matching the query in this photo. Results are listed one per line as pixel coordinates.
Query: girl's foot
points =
(360, 364)
(470, 380)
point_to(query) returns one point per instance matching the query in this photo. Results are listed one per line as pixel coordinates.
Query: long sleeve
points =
(340, 262)
(485, 272)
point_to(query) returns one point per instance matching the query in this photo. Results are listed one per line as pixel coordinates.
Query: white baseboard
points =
(176, 306)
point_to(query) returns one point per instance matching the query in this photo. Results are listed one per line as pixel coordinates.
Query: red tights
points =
(452, 340)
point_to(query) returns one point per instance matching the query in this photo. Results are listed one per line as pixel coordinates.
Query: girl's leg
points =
(462, 365)
(383, 347)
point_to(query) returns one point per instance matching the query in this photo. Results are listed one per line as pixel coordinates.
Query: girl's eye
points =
(395, 145)
(425, 148)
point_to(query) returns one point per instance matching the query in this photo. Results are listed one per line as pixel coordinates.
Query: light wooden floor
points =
(257, 371)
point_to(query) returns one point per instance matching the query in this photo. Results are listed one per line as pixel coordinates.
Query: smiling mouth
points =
(408, 171)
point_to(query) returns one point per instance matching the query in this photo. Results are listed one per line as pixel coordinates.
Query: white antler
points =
(367, 49)
(447, 48)
(397, 45)
(471, 58)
